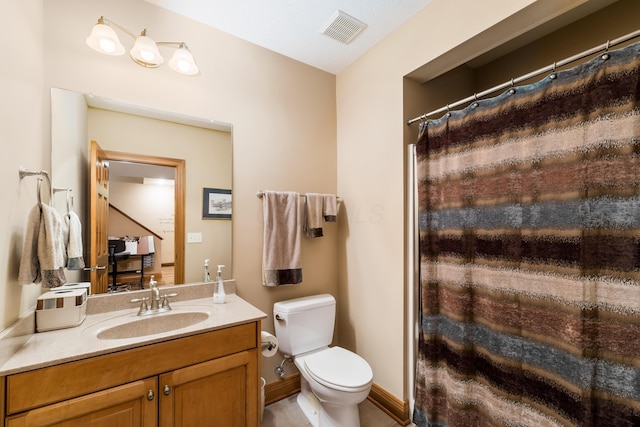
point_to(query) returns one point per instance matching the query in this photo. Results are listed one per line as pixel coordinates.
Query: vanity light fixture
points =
(145, 52)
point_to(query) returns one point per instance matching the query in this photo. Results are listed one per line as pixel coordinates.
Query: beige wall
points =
(24, 129)
(294, 128)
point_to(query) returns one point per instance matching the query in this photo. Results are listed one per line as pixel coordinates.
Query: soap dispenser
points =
(206, 278)
(219, 295)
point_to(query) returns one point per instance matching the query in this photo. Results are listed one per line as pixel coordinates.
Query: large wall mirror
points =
(144, 144)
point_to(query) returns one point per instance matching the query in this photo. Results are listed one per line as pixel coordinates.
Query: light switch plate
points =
(194, 237)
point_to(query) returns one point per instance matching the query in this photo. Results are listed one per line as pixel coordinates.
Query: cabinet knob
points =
(150, 395)
(166, 390)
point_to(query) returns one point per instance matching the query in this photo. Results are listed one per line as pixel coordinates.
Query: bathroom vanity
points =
(118, 369)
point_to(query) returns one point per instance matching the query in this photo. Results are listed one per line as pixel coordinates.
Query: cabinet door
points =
(123, 406)
(220, 393)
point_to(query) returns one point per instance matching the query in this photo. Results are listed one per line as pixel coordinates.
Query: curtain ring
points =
(605, 55)
(422, 127)
(553, 76)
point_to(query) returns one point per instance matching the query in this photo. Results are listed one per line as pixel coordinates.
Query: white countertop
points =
(37, 350)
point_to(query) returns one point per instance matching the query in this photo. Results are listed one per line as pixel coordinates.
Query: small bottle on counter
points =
(219, 295)
(206, 278)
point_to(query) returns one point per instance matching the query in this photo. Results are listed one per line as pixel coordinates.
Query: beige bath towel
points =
(281, 262)
(29, 266)
(313, 215)
(330, 207)
(43, 253)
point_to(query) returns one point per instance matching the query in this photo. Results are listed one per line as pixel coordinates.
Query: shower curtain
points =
(529, 225)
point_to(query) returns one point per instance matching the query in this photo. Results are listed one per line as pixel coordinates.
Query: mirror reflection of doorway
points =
(140, 163)
(142, 205)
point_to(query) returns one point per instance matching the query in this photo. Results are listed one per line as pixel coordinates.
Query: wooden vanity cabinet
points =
(212, 394)
(124, 406)
(209, 379)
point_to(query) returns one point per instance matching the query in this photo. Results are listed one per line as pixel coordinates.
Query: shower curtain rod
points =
(513, 82)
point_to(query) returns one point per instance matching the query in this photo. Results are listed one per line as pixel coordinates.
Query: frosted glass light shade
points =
(145, 52)
(182, 62)
(104, 39)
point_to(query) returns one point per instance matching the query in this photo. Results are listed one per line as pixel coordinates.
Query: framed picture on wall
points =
(216, 203)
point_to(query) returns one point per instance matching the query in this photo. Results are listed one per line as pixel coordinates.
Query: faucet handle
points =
(143, 306)
(165, 302)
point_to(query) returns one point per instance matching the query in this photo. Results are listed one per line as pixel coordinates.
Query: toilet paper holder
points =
(268, 345)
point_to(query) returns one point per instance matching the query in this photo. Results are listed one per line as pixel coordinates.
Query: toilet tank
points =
(304, 324)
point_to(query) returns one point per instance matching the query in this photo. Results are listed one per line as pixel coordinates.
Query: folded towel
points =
(43, 254)
(313, 215)
(75, 261)
(281, 257)
(330, 207)
(29, 271)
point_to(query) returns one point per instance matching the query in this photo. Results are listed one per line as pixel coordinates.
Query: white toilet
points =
(333, 380)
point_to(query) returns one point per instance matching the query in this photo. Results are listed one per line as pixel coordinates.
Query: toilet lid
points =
(339, 367)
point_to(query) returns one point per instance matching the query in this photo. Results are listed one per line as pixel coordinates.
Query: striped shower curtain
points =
(529, 222)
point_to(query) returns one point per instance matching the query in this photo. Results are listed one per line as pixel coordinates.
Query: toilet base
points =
(324, 414)
(339, 416)
(310, 406)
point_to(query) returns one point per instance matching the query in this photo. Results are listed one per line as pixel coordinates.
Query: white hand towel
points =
(281, 262)
(75, 260)
(313, 215)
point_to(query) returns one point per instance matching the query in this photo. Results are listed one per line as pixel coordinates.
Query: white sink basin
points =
(126, 327)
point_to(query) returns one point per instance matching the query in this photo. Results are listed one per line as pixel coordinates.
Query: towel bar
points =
(259, 195)
(24, 172)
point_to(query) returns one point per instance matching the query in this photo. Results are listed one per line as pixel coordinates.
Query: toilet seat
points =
(339, 369)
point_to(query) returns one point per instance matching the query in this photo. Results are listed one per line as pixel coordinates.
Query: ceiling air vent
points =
(343, 27)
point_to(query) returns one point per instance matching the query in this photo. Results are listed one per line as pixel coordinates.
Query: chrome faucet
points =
(155, 298)
(155, 294)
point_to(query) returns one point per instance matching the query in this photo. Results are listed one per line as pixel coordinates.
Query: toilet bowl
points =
(339, 380)
(334, 380)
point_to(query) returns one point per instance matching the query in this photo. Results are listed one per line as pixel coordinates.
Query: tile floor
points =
(285, 413)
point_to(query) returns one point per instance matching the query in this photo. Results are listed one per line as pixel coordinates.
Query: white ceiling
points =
(293, 27)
